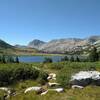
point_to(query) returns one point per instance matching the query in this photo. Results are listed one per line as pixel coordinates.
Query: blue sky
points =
(24, 20)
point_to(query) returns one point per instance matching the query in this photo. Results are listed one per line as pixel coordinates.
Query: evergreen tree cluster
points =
(47, 60)
(9, 59)
(71, 59)
(94, 55)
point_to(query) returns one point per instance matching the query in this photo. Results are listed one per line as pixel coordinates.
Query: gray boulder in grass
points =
(84, 78)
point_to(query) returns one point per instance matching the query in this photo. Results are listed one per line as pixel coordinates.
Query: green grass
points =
(60, 68)
(88, 93)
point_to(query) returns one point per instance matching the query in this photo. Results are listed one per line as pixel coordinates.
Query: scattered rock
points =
(57, 90)
(33, 89)
(77, 86)
(43, 93)
(53, 84)
(52, 76)
(40, 91)
(6, 90)
(84, 78)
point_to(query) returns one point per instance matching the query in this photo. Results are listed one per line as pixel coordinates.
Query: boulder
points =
(6, 90)
(77, 86)
(84, 78)
(43, 93)
(32, 89)
(53, 84)
(52, 76)
(82, 82)
(58, 90)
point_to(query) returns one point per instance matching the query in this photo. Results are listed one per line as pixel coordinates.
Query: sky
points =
(21, 21)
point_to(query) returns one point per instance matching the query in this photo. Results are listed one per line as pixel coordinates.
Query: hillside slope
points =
(4, 45)
(8, 49)
(70, 44)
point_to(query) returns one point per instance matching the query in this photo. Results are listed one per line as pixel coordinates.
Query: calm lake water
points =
(38, 58)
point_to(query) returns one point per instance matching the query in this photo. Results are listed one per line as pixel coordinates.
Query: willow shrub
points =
(10, 73)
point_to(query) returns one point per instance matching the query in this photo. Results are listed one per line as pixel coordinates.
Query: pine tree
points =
(48, 60)
(72, 59)
(17, 60)
(10, 59)
(3, 59)
(93, 56)
(77, 59)
(65, 59)
(99, 55)
(0, 58)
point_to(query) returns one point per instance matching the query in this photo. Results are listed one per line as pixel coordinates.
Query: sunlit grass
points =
(88, 93)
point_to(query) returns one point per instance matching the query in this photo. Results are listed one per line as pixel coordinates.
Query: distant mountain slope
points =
(36, 44)
(20, 46)
(8, 49)
(64, 45)
(97, 44)
(93, 39)
(69, 44)
(4, 45)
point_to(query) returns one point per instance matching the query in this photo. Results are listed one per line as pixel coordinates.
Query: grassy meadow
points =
(64, 70)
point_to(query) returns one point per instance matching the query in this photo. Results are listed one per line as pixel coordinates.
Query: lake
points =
(38, 58)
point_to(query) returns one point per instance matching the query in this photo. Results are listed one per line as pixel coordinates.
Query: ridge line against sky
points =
(22, 21)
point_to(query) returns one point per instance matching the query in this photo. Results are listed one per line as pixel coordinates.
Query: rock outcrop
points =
(36, 44)
(67, 45)
(5, 45)
(52, 76)
(32, 89)
(84, 78)
(64, 45)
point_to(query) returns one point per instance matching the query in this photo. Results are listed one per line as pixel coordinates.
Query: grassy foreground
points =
(62, 69)
(88, 93)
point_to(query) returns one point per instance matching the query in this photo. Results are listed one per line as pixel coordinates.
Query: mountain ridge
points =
(5, 45)
(36, 44)
(58, 45)
(67, 44)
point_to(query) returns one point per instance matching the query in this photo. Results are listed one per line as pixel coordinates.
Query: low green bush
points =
(42, 77)
(10, 73)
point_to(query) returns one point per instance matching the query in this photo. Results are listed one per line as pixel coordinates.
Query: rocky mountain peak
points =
(36, 43)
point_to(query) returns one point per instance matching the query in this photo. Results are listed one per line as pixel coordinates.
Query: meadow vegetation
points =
(19, 76)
